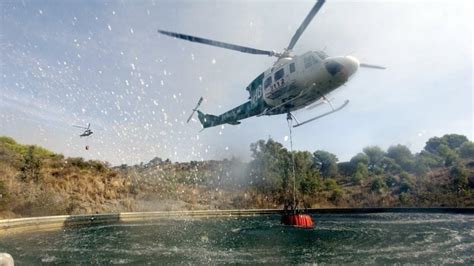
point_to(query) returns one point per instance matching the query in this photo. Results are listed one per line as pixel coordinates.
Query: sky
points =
(65, 63)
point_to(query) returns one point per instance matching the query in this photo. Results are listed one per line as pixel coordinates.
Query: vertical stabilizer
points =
(207, 120)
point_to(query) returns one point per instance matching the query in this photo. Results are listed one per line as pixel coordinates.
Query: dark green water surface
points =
(359, 238)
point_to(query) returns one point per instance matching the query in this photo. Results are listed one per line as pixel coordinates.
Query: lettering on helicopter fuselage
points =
(257, 94)
(277, 89)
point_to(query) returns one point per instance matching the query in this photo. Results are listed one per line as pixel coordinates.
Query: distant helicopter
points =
(87, 132)
(293, 82)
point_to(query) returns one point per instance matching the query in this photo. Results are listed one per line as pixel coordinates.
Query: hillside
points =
(35, 181)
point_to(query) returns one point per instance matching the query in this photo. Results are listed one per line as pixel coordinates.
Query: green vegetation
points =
(34, 181)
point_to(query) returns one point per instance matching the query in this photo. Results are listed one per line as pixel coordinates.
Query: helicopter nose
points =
(333, 67)
(342, 67)
(351, 64)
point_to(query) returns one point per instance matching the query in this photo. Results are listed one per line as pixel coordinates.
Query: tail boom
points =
(231, 117)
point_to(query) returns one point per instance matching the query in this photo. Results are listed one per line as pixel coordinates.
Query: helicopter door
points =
(280, 81)
(267, 85)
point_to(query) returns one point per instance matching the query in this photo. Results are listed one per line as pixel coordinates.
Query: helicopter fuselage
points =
(290, 84)
(86, 133)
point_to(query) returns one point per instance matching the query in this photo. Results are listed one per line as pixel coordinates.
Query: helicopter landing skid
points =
(322, 115)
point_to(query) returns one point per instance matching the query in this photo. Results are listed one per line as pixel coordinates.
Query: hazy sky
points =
(74, 62)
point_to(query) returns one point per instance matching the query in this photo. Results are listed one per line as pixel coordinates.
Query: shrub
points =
(31, 169)
(390, 181)
(331, 184)
(308, 185)
(406, 186)
(3, 192)
(357, 178)
(78, 162)
(336, 196)
(377, 184)
(405, 198)
(12, 145)
(460, 180)
(361, 172)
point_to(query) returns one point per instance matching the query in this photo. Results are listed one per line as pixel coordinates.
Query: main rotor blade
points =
(305, 23)
(79, 126)
(230, 46)
(371, 66)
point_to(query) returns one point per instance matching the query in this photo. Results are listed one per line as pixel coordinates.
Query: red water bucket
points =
(297, 220)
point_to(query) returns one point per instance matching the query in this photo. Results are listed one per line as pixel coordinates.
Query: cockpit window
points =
(279, 74)
(268, 81)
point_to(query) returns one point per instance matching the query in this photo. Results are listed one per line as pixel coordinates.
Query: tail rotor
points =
(195, 109)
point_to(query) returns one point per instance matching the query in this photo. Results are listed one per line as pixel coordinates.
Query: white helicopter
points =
(292, 83)
(87, 130)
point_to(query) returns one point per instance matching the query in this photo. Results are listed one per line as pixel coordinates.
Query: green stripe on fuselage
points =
(234, 115)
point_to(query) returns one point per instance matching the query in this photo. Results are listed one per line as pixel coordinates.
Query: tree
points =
(269, 169)
(406, 183)
(402, 156)
(460, 182)
(375, 154)
(345, 168)
(390, 166)
(360, 158)
(449, 155)
(306, 178)
(326, 163)
(360, 173)
(433, 143)
(428, 159)
(31, 169)
(466, 150)
(454, 141)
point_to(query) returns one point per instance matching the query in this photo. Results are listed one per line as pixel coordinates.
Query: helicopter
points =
(293, 82)
(87, 131)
